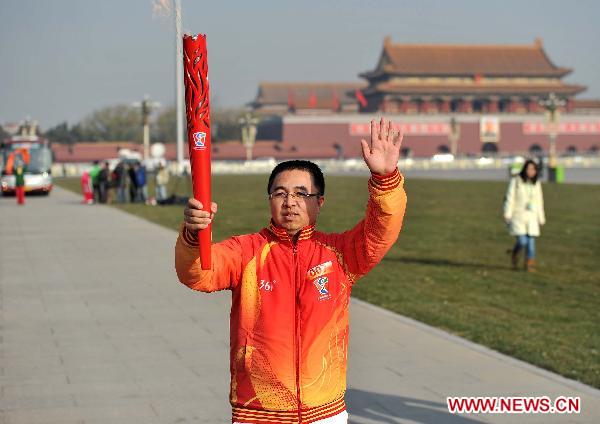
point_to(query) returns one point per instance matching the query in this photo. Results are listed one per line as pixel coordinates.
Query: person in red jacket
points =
(291, 287)
(86, 188)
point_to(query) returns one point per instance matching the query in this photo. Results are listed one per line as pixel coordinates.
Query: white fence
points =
(350, 166)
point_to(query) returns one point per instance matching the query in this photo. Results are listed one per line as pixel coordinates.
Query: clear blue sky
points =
(63, 59)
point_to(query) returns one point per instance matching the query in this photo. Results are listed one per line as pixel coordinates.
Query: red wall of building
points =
(312, 136)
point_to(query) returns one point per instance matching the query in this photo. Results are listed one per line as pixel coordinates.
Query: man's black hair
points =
(523, 173)
(301, 165)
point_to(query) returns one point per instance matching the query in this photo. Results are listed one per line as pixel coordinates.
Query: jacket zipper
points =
(297, 330)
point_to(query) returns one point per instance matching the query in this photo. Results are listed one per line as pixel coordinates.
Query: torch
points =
(195, 65)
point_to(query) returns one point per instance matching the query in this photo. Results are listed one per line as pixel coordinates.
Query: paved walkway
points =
(95, 329)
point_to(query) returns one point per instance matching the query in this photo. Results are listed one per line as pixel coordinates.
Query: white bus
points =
(36, 151)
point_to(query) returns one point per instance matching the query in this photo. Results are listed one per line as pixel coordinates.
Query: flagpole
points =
(179, 84)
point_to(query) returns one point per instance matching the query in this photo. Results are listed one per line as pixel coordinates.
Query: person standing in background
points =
(162, 179)
(94, 172)
(132, 183)
(104, 182)
(140, 178)
(524, 213)
(86, 188)
(19, 171)
(120, 181)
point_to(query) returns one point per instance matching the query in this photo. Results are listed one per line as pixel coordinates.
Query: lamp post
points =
(453, 136)
(248, 124)
(552, 105)
(147, 107)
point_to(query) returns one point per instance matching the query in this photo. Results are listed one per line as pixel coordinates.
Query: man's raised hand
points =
(382, 154)
(195, 218)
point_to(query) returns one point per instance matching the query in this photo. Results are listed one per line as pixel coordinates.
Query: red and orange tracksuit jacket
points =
(289, 312)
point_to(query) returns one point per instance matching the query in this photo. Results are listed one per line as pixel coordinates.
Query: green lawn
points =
(449, 268)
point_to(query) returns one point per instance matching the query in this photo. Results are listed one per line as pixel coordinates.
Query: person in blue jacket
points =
(140, 179)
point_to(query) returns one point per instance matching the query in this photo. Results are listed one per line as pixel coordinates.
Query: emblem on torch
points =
(199, 140)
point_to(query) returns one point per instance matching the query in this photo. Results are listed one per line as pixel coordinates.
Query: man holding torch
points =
(291, 286)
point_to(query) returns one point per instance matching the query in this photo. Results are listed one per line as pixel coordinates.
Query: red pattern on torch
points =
(195, 65)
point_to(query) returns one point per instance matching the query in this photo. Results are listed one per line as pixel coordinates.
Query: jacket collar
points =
(305, 233)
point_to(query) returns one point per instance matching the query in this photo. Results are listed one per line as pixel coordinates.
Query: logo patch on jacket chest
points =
(317, 275)
(321, 285)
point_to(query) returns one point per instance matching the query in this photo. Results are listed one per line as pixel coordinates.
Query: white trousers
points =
(341, 418)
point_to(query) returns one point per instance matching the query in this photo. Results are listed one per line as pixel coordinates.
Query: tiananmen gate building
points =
(487, 96)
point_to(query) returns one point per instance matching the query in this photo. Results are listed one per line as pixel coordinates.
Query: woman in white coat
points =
(524, 213)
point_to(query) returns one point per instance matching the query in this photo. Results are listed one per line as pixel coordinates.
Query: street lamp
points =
(552, 105)
(248, 124)
(453, 136)
(147, 107)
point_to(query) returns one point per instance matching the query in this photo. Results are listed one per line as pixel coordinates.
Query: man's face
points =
(290, 212)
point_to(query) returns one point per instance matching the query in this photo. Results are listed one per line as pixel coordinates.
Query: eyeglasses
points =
(296, 195)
